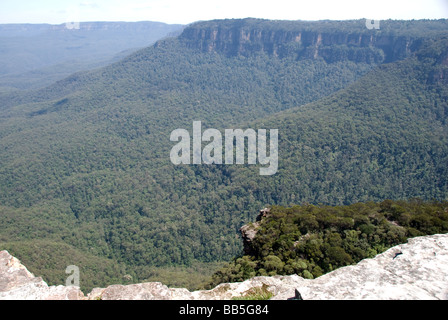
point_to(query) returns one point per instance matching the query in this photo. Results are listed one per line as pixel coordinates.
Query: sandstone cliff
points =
(415, 270)
(332, 41)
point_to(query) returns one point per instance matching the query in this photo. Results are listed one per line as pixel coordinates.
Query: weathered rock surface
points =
(416, 270)
(249, 231)
(17, 283)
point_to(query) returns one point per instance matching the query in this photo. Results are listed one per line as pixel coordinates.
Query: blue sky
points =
(187, 11)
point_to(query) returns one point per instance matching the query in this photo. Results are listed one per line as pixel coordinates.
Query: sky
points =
(188, 11)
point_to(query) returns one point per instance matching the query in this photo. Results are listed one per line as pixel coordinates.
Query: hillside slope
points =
(383, 137)
(85, 162)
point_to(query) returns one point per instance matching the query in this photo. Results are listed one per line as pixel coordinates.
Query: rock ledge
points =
(416, 270)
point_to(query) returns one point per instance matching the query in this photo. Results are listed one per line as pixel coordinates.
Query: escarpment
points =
(300, 40)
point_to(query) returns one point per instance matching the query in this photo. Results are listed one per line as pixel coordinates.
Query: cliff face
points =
(440, 74)
(415, 270)
(296, 39)
(249, 231)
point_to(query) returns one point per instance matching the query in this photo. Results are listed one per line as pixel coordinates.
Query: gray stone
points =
(17, 283)
(416, 270)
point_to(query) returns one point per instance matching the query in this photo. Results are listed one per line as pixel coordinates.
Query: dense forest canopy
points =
(312, 240)
(86, 175)
(417, 28)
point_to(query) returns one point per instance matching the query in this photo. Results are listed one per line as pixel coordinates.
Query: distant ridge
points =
(331, 40)
(35, 55)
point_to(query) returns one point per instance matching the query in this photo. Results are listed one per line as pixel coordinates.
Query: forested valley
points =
(86, 177)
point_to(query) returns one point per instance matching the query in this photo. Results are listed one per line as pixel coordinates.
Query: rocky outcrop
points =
(17, 283)
(249, 231)
(414, 271)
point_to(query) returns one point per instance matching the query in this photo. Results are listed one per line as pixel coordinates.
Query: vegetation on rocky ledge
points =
(311, 240)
